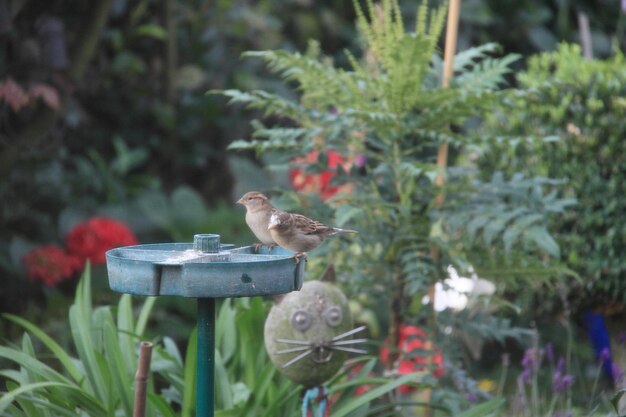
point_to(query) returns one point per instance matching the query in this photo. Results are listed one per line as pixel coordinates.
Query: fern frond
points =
(488, 74)
(471, 56)
(269, 104)
(421, 18)
(437, 22)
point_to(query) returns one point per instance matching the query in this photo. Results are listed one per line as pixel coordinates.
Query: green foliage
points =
(390, 108)
(581, 104)
(98, 381)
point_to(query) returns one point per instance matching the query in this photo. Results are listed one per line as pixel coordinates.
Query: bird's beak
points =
(240, 201)
(272, 225)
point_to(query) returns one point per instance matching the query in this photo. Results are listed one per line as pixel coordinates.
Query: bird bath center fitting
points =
(205, 270)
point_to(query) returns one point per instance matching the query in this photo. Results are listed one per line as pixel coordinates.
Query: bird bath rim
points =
(177, 269)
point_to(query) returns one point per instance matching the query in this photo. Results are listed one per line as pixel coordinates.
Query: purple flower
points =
(560, 365)
(624, 6)
(561, 381)
(604, 355)
(360, 160)
(528, 360)
(471, 397)
(550, 352)
(621, 337)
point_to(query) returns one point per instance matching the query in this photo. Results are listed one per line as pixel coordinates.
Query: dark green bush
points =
(581, 105)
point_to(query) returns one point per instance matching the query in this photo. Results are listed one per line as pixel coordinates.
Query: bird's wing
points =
(309, 226)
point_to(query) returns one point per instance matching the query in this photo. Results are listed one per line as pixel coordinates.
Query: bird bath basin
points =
(206, 270)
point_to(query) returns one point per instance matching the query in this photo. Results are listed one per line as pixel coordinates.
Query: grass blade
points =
(375, 393)
(189, 392)
(54, 347)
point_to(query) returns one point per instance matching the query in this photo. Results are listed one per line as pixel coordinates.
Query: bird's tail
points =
(337, 231)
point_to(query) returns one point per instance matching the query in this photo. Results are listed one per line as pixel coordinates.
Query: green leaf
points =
(542, 238)
(190, 375)
(33, 364)
(151, 30)
(81, 334)
(120, 370)
(223, 390)
(483, 409)
(144, 315)
(615, 401)
(54, 347)
(375, 393)
(9, 397)
(242, 145)
(124, 332)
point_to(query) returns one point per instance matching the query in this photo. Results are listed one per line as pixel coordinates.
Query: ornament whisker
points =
(349, 333)
(297, 358)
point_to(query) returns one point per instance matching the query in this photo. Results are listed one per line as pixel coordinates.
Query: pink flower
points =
(90, 240)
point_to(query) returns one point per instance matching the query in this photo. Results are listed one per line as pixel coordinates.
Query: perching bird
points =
(298, 233)
(258, 213)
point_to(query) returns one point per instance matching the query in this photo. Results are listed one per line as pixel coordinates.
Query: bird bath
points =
(205, 270)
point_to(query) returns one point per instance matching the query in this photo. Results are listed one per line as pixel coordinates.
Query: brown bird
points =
(298, 233)
(258, 213)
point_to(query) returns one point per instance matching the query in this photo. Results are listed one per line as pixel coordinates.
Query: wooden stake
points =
(448, 72)
(442, 154)
(141, 379)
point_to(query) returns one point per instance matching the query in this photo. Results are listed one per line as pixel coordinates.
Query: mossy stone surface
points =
(312, 317)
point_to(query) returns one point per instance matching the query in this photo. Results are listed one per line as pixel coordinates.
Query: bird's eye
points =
(301, 320)
(333, 316)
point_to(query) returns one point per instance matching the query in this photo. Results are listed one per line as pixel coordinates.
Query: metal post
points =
(205, 372)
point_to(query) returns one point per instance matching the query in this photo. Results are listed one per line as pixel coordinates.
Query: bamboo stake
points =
(448, 65)
(442, 154)
(141, 379)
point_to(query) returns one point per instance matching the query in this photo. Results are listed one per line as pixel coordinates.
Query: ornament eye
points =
(333, 316)
(301, 320)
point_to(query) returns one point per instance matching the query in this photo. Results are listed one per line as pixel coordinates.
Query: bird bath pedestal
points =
(205, 270)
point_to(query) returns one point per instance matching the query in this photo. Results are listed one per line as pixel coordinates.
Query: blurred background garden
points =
(495, 286)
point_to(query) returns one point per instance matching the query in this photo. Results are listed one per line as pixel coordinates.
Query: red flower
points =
(413, 338)
(50, 264)
(318, 183)
(91, 239)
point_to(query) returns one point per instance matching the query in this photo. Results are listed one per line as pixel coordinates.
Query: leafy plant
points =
(580, 103)
(98, 381)
(389, 109)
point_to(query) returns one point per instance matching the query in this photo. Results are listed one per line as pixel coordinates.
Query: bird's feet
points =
(298, 256)
(258, 246)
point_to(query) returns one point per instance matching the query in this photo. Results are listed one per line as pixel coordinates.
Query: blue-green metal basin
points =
(175, 269)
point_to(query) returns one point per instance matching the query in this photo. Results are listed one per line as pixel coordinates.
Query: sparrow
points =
(258, 213)
(298, 233)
